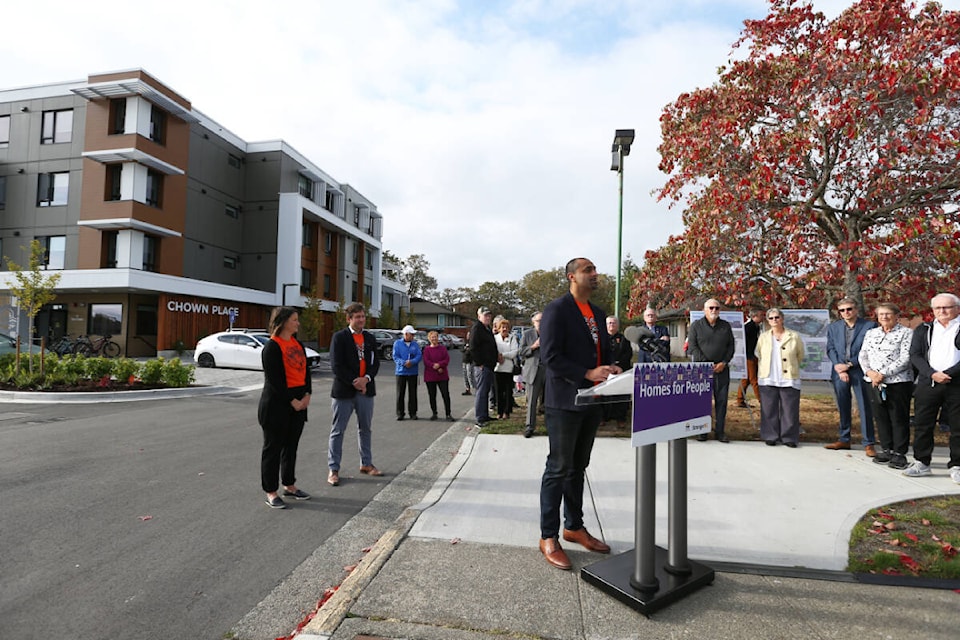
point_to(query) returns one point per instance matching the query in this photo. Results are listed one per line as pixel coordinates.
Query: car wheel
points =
(387, 353)
(206, 360)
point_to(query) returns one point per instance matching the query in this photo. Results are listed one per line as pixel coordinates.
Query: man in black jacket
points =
(576, 352)
(355, 362)
(711, 340)
(483, 350)
(935, 354)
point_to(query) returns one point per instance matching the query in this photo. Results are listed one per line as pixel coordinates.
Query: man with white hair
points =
(935, 354)
(483, 348)
(711, 340)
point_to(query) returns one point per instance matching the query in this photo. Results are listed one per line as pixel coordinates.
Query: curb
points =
(94, 397)
(331, 613)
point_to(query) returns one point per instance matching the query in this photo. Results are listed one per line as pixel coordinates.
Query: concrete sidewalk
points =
(464, 563)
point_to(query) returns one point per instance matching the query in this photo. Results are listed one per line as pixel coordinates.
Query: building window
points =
(3, 192)
(52, 189)
(388, 299)
(118, 116)
(112, 190)
(369, 258)
(233, 161)
(158, 124)
(305, 279)
(356, 216)
(367, 294)
(353, 291)
(54, 251)
(327, 291)
(230, 262)
(307, 231)
(4, 132)
(57, 127)
(328, 243)
(150, 253)
(305, 187)
(110, 242)
(329, 200)
(231, 211)
(105, 319)
(356, 252)
(154, 188)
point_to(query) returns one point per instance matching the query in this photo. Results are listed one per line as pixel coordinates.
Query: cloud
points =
(482, 131)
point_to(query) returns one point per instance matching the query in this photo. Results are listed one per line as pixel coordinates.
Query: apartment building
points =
(165, 226)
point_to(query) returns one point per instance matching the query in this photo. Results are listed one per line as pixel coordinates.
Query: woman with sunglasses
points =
(779, 354)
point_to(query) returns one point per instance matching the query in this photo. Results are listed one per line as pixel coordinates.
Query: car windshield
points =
(262, 338)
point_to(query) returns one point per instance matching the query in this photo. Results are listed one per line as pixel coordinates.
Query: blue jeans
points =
(481, 400)
(842, 390)
(571, 435)
(342, 408)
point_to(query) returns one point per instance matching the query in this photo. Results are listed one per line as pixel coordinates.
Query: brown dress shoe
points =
(333, 479)
(583, 537)
(555, 555)
(870, 451)
(371, 470)
(838, 445)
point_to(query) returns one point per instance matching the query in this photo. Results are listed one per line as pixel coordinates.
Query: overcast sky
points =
(480, 128)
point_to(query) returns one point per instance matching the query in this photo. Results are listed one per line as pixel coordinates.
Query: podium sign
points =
(671, 400)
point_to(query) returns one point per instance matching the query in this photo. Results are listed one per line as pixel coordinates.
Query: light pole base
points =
(613, 576)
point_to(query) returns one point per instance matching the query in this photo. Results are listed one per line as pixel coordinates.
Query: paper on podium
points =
(618, 388)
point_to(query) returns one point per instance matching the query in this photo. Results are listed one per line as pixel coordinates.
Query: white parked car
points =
(239, 349)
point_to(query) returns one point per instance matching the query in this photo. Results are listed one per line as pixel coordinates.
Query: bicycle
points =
(63, 346)
(101, 346)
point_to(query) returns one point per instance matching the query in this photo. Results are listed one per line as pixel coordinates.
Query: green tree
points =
(311, 317)
(340, 316)
(414, 274)
(387, 319)
(539, 287)
(451, 297)
(33, 288)
(501, 297)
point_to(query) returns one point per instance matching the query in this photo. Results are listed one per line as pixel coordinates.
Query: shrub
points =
(177, 374)
(152, 371)
(72, 367)
(98, 368)
(125, 368)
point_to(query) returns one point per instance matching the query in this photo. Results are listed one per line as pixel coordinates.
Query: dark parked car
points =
(385, 339)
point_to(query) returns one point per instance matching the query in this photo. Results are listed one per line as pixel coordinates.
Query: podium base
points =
(613, 577)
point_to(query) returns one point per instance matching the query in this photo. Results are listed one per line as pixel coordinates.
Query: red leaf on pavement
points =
(366, 549)
(455, 541)
(349, 568)
(145, 518)
(910, 564)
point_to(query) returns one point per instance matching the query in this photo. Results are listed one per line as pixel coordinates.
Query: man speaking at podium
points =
(575, 350)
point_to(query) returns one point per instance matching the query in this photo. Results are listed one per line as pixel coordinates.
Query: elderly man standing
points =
(483, 349)
(711, 340)
(935, 353)
(844, 339)
(533, 372)
(661, 333)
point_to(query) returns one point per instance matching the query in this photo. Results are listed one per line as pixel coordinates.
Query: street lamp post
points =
(622, 140)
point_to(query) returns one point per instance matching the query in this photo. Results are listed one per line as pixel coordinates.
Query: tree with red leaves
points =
(824, 162)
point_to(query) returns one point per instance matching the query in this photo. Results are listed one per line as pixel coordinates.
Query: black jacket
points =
(920, 351)
(274, 409)
(483, 346)
(568, 351)
(346, 364)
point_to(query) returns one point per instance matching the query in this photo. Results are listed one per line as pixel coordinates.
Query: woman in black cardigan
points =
(283, 406)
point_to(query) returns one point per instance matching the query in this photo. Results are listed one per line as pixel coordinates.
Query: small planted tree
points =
(311, 317)
(33, 288)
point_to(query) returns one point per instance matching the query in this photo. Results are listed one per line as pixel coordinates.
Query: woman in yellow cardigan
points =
(779, 354)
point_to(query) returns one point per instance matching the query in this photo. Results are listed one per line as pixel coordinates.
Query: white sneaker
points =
(918, 469)
(955, 474)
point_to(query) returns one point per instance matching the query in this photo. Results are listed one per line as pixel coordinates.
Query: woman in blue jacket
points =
(407, 357)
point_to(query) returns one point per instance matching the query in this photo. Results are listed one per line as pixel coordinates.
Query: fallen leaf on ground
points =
(912, 537)
(455, 541)
(366, 549)
(349, 568)
(145, 518)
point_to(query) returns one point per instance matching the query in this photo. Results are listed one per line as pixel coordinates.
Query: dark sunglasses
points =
(845, 309)
(774, 317)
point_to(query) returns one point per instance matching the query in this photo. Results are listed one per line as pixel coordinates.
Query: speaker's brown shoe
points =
(583, 537)
(870, 451)
(555, 555)
(371, 470)
(838, 446)
(333, 479)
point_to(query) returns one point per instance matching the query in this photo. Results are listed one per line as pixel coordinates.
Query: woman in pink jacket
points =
(436, 359)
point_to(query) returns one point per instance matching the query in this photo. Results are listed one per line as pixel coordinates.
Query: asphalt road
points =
(146, 519)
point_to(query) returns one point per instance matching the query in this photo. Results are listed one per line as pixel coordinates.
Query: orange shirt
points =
(294, 361)
(592, 326)
(358, 340)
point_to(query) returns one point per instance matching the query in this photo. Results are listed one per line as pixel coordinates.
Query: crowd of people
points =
(883, 364)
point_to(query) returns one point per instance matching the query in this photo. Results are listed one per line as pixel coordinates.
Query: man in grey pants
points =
(534, 374)
(711, 340)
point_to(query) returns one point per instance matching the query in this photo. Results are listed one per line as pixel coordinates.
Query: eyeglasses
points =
(845, 309)
(774, 317)
(713, 308)
(944, 308)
